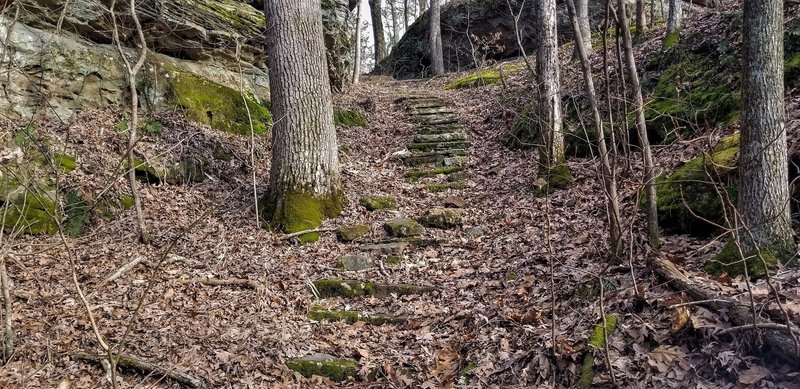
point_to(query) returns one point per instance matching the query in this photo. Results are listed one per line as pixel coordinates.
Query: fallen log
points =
(777, 337)
(132, 362)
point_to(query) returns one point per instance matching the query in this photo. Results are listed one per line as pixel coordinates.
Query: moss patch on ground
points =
(692, 188)
(348, 118)
(731, 261)
(597, 340)
(671, 40)
(217, 105)
(558, 177)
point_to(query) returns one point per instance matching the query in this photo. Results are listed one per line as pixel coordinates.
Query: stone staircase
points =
(438, 158)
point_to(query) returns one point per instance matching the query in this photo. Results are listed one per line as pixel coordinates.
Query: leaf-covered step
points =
(432, 111)
(440, 137)
(318, 313)
(439, 129)
(433, 120)
(437, 156)
(431, 146)
(350, 288)
(419, 173)
(324, 365)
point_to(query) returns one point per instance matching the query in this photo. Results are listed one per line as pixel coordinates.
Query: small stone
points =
(444, 218)
(454, 202)
(402, 228)
(351, 233)
(354, 262)
(392, 248)
(324, 365)
(374, 203)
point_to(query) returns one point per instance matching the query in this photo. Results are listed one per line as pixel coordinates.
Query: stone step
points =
(442, 218)
(441, 187)
(352, 288)
(440, 129)
(403, 228)
(324, 365)
(318, 313)
(391, 248)
(420, 173)
(440, 137)
(432, 111)
(434, 120)
(437, 157)
(432, 146)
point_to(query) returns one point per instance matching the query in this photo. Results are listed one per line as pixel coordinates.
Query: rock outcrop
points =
(58, 67)
(476, 30)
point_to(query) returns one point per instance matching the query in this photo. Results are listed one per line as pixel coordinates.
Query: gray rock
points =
(403, 228)
(444, 218)
(354, 262)
(392, 248)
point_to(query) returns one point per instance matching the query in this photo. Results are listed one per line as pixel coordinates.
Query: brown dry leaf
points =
(754, 374)
(446, 360)
(663, 357)
(680, 319)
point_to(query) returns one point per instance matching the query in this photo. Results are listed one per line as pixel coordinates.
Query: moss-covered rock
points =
(324, 365)
(392, 248)
(354, 262)
(217, 105)
(318, 313)
(415, 175)
(558, 177)
(693, 91)
(351, 233)
(28, 200)
(186, 171)
(732, 261)
(479, 78)
(376, 203)
(348, 118)
(692, 190)
(444, 218)
(402, 228)
(441, 187)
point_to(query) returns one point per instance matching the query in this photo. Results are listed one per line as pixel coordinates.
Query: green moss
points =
(558, 177)
(299, 210)
(415, 175)
(694, 91)
(482, 77)
(465, 375)
(216, 105)
(730, 261)
(375, 203)
(596, 341)
(153, 127)
(393, 260)
(351, 233)
(66, 163)
(402, 228)
(318, 313)
(792, 71)
(126, 202)
(26, 135)
(31, 210)
(694, 187)
(336, 369)
(510, 277)
(348, 118)
(671, 40)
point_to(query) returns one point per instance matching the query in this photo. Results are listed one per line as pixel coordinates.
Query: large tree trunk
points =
(640, 17)
(357, 59)
(304, 182)
(552, 161)
(435, 38)
(585, 26)
(764, 185)
(609, 176)
(406, 14)
(395, 23)
(377, 30)
(641, 127)
(673, 23)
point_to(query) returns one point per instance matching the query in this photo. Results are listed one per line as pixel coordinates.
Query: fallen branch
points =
(132, 362)
(777, 337)
(122, 270)
(298, 233)
(242, 282)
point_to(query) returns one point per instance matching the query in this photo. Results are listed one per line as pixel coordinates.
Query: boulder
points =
(354, 262)
(491, 30)
(444, 218)
(351, 233)
(402, 228)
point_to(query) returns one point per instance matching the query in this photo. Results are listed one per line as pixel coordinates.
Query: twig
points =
(769, 326)
(298, 233)
(132, 362)
(698, 302)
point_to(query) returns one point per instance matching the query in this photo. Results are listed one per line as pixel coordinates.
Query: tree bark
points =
(423, 5)
(585, 26)
(357, 58)
(304, 183)
(640, 17)
(552, 160)
(377, 30)
(406, 14)
(395, 23)
(764, 176)
(641, 127)
(435, 38)
(673, 23)
(608, 175)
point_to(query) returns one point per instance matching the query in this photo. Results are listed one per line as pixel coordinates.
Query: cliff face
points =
(474, 31)
(57, 65)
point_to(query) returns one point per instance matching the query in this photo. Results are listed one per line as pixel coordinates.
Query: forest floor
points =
(498, 279)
